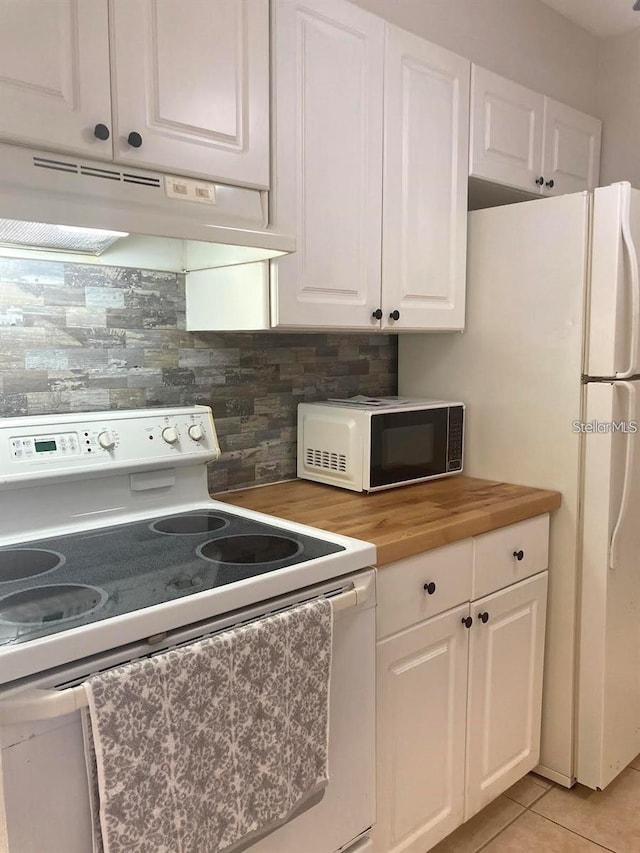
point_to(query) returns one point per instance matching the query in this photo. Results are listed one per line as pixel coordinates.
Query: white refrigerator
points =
(549, 368)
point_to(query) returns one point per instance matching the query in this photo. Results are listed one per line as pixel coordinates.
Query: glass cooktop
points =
(53, 584)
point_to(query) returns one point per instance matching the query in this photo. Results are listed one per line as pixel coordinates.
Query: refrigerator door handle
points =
(635, 285)
(628, 474)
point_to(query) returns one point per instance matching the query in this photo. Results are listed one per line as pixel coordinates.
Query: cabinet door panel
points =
(506, 131)
(422, 676)
(425, 184)
(328, 163)
(54, 74)
(192, 78)
(505, 689)
(571, 149)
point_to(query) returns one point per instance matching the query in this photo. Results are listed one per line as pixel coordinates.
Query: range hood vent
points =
(97, 172)
(176, 223)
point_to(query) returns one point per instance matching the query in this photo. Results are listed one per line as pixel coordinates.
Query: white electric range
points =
(111, 549)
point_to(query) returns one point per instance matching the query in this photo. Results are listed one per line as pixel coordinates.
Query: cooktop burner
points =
(247, 549)
(189, 524)
(19, 563)
(42, 604)
(128, 567)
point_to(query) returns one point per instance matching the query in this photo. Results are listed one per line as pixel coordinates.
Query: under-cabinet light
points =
(64, 238)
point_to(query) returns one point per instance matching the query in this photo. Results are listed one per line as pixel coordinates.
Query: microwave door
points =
(407, 446)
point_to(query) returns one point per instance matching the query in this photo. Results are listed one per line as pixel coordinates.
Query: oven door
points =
(408, 446)
(44, 804)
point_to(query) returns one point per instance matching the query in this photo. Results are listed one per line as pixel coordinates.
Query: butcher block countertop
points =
(405, 521)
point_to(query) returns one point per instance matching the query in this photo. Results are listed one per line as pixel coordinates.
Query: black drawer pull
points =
(467, 621)
(519, 555)
(429, 588)
(483, 617)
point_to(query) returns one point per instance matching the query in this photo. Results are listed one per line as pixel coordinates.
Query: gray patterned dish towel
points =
(202, 748)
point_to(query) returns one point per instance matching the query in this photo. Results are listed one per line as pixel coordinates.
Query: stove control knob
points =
(106, 440)
(170, 435)
(196, 432)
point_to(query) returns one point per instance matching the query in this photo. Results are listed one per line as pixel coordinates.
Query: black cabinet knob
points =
(550, 184)
(395, 315)
(540, 181)
(519, 555)
(377, 314)
(101, 131)
(134, 139)
(467, 621)
(429, 587)
(483, 617)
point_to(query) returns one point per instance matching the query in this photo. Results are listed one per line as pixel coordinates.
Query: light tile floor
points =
(535, 815)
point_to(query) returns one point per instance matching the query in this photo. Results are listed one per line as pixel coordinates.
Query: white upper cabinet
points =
(357, 265)
(191, 87)
(571, 157)
(328, 163)
(176, 85)
(506, 131)
(54, 74)
(426, 128)
(526, 140)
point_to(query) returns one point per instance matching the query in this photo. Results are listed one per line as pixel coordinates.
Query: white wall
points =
(520, 39)
(618, 104)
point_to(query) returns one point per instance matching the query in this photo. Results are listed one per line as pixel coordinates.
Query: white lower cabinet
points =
(422, 713)
(458, 693)
(505, 689)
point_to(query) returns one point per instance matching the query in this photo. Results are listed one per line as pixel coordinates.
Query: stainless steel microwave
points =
(371, 443)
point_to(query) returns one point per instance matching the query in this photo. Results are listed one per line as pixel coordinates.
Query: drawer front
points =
(510, 554)
(400, 587)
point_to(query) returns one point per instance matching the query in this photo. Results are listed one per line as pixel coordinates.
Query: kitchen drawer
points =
(400, 587)
(495, 555)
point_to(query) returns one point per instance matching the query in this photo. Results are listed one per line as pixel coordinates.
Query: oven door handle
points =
(358, 594)
(36, 703)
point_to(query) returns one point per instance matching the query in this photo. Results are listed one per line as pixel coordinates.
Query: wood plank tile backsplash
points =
(76, 338)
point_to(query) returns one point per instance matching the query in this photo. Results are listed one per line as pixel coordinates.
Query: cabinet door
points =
(426, 148)
(421, 707)
(506, 131)
(54, 74)
(505, 689)
(328, 163)
(191, 78)
(571, 160)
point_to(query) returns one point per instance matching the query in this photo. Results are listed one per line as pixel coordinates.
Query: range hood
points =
(147, 219)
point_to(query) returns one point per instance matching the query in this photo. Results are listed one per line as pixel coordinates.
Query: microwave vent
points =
(96, 172)
(326, 460)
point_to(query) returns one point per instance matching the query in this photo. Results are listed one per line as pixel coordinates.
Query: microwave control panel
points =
(456, 438)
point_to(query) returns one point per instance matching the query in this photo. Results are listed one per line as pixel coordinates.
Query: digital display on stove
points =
(44, 446)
